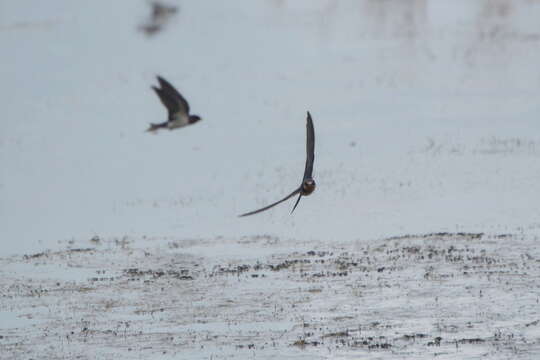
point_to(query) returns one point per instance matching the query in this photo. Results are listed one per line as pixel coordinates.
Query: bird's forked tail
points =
(155, 127)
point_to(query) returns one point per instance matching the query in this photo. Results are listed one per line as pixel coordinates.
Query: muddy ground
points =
(449, 296)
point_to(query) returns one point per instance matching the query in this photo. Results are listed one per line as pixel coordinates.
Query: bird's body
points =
(177, 107)
(308, 184)
(178, 121)
(308, 187)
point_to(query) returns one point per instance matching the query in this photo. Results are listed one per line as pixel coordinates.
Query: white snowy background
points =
(427, 117)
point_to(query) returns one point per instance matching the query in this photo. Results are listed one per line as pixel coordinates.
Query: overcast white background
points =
(427, 118)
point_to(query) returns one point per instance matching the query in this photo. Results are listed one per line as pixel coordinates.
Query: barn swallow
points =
(176, 105)
(308, 184)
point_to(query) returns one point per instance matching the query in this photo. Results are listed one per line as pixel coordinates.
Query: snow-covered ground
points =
(449, 296)
(427, 120)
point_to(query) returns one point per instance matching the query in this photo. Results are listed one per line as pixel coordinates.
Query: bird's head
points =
(308, 186)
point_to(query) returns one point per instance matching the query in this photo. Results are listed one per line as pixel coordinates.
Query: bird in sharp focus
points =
(177, 107)
(308, 184)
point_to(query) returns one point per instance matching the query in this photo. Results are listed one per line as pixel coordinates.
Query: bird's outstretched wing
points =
(297, 191)
(171, 98)
(170, 103)
(310, 148)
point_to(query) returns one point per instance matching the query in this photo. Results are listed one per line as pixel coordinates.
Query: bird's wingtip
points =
(160, 79)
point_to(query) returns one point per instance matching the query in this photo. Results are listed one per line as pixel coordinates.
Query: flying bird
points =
(308, 184)
(161, 14)
(176, 105)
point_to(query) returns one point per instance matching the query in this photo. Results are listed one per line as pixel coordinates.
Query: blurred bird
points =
(308, 184)
(177, 107)
(161, 14)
